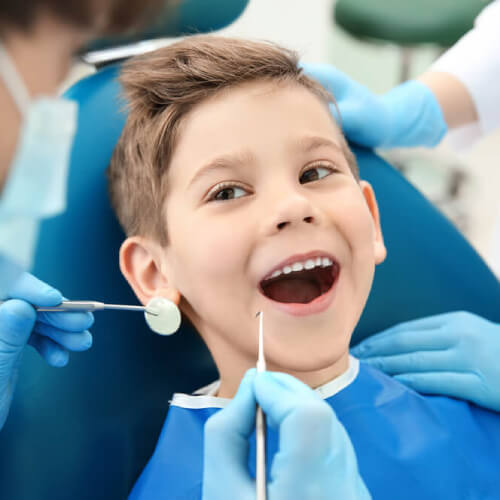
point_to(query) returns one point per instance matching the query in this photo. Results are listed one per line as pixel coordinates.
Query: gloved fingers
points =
(454, 384)
(279, 394)
(333, 80)
(69, 321)
(35, 291)
(355, 125)
(52, 353)
(231, 427)
(414, 362)
(73, 341)
(17, 319)
(16, 323)
(418, 325)
(226, 444)
(399, 340)
(304, 420)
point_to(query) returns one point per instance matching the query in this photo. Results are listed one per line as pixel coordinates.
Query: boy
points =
(239, 194)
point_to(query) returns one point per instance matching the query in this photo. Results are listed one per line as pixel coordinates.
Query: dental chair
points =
(87, 430)
(182, 17)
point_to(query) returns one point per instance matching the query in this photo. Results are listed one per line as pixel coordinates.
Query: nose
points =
(292, 210)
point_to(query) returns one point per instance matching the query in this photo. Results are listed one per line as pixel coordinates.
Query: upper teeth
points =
(300, 266)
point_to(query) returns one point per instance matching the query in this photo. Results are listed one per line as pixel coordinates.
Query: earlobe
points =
(371, 201)
(140, 265)
(169, 293)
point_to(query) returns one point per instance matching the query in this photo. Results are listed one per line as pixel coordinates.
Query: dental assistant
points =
(455, 354)
(37, 42)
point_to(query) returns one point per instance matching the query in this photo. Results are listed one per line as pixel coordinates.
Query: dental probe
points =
(260, 424)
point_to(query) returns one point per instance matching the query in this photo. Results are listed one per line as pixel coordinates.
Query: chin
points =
(310, 359)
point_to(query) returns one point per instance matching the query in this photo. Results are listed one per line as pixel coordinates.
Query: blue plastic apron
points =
(408, 446)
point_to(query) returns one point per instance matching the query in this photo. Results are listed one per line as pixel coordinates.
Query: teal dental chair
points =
(178, 18)
(86, 431)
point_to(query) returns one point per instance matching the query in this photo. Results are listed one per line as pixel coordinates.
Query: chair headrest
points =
(185, 18)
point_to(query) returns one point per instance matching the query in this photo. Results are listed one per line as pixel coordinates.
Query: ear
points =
(371, 201)
(141, 264)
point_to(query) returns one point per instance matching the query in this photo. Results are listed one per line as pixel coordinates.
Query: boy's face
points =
(257, 182)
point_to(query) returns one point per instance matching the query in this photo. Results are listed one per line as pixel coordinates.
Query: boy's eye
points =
(315, 174)
(226, 192)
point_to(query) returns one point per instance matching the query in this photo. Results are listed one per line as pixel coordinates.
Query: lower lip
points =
(316, 306)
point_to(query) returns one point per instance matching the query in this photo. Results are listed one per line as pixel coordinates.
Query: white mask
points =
(36, 185)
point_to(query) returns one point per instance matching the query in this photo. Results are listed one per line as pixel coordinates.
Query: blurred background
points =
(462, 179)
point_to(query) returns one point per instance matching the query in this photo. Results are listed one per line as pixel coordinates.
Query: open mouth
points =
(301, 286)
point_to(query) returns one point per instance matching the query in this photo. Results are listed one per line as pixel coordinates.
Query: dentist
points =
(37, 41)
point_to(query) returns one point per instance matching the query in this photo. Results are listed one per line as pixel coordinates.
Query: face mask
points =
(36, 186)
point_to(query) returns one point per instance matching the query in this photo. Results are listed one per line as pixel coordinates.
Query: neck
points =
(232, 367)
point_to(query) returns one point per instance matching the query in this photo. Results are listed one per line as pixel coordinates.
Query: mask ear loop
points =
(14, 82)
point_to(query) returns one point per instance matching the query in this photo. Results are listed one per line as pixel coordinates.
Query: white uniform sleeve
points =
(475, 61)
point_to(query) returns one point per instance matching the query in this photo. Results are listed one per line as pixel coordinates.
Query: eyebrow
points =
(233, 161)
(310, 143)
(229, 161)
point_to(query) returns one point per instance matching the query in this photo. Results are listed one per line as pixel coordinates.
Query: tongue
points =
(295, 290)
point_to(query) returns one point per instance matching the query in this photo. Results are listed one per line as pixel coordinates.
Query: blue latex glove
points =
(407, 115)
(455, 354)
(51, 334)
(315, 459)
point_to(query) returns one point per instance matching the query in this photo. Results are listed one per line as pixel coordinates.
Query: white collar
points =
(205, 397)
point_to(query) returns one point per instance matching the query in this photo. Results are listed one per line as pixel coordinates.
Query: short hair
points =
(121, 15)
(161, 87)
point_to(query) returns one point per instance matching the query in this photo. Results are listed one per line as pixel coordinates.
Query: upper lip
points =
(298, 257)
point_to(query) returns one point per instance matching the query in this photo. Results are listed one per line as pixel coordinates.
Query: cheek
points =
(356, 226)
(209, 254)
(220, 248)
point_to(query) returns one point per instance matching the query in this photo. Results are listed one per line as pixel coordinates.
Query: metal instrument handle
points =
(73, 305)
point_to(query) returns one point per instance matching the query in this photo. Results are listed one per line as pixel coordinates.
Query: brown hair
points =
(121, 15)
(161, 87)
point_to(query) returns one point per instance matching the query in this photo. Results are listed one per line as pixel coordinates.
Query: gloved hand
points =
(51, 334)
(315, 458)
(455, 354)
(407, 115)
